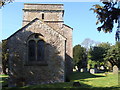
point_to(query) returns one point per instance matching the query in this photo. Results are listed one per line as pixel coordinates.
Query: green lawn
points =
(87, 80)
(96, 80)
(3, 79)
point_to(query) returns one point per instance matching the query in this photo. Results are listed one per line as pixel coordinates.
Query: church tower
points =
(51, 14)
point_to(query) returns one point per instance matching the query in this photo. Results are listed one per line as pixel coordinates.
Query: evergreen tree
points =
(79, 56)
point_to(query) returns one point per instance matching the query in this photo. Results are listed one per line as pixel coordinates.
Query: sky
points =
(77, 15)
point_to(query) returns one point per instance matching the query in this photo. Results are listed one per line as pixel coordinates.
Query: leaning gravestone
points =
(115, 69)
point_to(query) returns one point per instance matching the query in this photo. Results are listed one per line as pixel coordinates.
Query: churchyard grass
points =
(3, 80)
(97, 81)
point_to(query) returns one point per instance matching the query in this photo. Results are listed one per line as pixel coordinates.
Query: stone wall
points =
(67, 32)
(49, 72)
(52, 12)
(44, 6)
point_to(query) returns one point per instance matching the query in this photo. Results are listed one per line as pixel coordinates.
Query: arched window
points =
(36, 48)
(31, 50)
(40, 50)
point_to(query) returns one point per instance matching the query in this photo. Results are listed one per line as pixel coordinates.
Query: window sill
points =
(36, 63)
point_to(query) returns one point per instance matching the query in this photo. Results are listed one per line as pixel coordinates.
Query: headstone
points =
(92, 71)
(81, 70)
(75, 69)
(102, 67)
(76, 84)
(115, 69)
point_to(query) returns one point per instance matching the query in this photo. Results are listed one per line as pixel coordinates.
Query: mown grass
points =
(3, 80)
(96, 80)
(88, 81)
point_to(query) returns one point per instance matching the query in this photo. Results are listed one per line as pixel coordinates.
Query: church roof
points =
(30, 24)
(68, 26)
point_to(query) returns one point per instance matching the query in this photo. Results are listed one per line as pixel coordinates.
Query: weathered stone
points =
(92, 71)
(58, 47)
(115, 69)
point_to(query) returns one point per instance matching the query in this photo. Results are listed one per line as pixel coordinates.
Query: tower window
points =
(42, 16)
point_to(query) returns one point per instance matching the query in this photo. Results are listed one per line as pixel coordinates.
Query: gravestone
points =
(75, 68)
(76, 84)
(102, 67)
(81, 70)
(92, 71)
(115, 69)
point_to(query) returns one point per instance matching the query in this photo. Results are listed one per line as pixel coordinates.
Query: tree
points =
(113, 55)
(106, 15)
(87, 43)
(4, 2)
(104, 53)
(97, 54)
(106, 46)
(79, 56)
(4, 56)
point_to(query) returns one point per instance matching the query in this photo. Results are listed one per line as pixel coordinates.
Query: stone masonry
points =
(47, 21)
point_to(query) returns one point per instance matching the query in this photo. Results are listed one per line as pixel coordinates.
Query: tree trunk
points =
(111, 62)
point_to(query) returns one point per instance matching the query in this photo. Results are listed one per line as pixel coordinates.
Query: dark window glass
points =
(31, 50)
(36, 36)
(40, 50)
(42, 16)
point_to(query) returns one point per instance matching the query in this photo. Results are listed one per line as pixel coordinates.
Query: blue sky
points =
(77, 15)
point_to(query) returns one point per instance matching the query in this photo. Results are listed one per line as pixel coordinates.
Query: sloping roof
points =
(30, 24)
(68, 26)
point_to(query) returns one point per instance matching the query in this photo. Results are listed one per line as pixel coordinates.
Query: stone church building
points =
(41, 51)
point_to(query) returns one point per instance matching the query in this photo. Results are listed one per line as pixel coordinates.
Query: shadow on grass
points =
(67, 85)
(55, 86)
(68, 88)
(81, 76)
(4, 81)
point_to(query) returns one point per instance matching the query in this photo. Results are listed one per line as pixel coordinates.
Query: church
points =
(41, 51)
